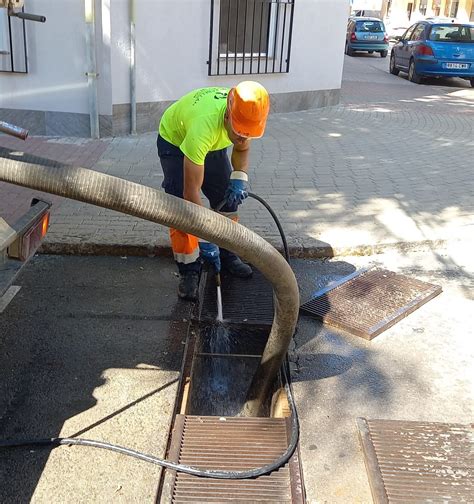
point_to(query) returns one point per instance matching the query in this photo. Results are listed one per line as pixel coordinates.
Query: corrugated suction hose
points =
(156, 206)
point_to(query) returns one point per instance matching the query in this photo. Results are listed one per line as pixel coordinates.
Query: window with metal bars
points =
(451, 8)
(454, 9)
(250, 36)
(423, 7)
(13, 55)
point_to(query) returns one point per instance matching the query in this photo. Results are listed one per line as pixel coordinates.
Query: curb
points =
(315, 252)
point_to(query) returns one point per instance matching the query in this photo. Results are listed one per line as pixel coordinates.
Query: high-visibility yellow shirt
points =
(195, 123)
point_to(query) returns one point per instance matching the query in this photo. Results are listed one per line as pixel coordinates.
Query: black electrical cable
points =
(195, 471)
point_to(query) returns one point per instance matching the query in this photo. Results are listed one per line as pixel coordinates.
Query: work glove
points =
(236, 191)
(210, 253)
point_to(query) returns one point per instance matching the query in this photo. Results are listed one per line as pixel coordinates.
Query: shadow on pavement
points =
(323, 352)
(76, 324)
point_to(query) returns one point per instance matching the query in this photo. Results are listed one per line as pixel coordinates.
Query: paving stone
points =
(340, 172)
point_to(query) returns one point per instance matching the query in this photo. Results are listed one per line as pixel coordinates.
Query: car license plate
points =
(457, 66)
(371, 37)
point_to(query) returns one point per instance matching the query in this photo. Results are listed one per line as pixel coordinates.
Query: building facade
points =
(138, 56)
(406, 12)
(409, 11)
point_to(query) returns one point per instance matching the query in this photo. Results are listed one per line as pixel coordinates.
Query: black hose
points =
(275, 218)
(195, 471)
(277, 222)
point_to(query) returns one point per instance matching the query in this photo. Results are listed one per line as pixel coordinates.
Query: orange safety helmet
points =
(249, 105)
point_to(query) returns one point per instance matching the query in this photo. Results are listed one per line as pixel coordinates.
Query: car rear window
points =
(369, 26)
(452, 33)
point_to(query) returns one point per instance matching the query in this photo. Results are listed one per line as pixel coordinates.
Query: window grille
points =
(423, 7)
(250, 36)
(436, 7)
(454, 9)
(451, 8)
(13, 55)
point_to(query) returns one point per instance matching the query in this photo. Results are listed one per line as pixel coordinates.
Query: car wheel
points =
(412, 75)
(472, 82)
(383, 54)
(349, 50)
(371, 52)
(393, 69)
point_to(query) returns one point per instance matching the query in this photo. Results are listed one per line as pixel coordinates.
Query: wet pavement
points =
(420, 369)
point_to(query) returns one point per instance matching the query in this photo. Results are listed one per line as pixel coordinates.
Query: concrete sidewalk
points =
(351, 179)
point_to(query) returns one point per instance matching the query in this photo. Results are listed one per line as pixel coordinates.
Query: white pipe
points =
(91, 67)
(133, 72)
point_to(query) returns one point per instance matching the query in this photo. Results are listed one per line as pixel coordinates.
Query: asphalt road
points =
(90, 347)
(372, 68)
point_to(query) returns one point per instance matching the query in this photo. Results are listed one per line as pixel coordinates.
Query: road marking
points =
(10, 293)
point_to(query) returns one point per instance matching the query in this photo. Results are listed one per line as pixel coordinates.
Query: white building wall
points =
(56, 79)
(173, 47)
(172, 51)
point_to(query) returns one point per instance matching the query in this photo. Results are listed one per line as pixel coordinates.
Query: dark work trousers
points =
(217, 170)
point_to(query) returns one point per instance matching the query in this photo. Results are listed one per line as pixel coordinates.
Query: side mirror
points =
(397, 38)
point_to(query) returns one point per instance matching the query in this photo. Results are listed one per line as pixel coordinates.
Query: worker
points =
(194, 134)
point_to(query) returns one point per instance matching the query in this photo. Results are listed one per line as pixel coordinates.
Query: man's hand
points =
(210, 253)
(237, 189)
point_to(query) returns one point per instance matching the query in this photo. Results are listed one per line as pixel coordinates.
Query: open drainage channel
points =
(219, 363)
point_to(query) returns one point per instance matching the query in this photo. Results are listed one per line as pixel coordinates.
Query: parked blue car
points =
(366, 34)
(435, 49)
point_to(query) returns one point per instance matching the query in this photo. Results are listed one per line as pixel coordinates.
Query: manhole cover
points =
(417, 461)
(369, 301)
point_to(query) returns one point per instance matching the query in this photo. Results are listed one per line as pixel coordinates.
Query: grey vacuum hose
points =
(156, 206)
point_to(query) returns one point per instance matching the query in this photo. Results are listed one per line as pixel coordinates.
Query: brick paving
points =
(390, 166)
(15, 200)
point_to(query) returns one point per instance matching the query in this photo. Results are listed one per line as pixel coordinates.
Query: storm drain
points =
(369, 301)
(220, 362)
(418, 461)
(245, 300)
(234, 444)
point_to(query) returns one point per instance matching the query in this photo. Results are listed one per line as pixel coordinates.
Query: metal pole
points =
(11, 129)
(133, 72)
(91, 67)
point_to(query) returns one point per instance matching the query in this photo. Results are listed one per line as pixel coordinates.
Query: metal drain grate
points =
(418, 461)
(244, 300)
(233, 444)
(369, 302)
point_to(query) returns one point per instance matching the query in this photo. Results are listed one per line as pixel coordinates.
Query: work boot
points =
(235, 266)
(188, 285)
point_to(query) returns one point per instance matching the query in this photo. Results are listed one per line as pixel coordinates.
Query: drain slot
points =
(253, 308)
(220, 362)
(224, 364)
